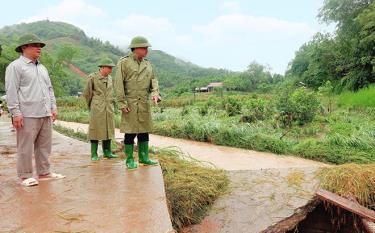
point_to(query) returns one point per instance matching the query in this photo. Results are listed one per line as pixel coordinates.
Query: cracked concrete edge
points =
(292, 221)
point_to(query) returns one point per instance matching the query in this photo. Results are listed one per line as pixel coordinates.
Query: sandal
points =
(29, 182)
(52, 176)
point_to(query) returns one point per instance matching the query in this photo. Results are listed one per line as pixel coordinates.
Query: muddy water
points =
(265, 188)
(259, 199)
(227, 158)
(95, 197)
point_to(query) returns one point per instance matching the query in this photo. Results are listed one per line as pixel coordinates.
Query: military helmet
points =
(28, 39)
(139, 42)
(106, 62)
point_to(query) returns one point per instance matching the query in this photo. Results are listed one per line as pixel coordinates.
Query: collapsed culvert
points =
(327, 213)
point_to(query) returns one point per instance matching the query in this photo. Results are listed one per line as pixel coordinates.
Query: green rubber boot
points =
(94, 151)
(130, 163)
(143, 155)
(107, 150)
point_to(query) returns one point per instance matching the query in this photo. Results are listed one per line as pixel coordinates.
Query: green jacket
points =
(99, 97)
(135, 84)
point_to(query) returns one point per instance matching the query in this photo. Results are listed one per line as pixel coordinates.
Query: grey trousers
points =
(35, 137)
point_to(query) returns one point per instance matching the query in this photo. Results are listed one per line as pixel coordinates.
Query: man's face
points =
(141, 52)
(32, 51)
(106, 70)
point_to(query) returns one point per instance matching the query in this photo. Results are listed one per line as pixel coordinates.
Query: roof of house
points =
(216, 84)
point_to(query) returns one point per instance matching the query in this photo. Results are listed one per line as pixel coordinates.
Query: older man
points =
(31, 102)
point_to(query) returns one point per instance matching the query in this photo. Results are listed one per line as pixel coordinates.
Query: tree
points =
(314, 63)
(366, 21)
(342, 12)
(346, 58)
(327, 91)
(66, 53)
(257, 74)
(297, 106)
(7, 56)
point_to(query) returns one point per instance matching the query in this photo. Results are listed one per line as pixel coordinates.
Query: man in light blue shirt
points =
(32, 103)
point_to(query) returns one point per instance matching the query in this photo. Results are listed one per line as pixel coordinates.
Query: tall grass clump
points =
(191, 186)
(362, 98)
(351, 180)
(71, 102)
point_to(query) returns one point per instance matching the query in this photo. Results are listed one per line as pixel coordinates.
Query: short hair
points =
(24, 46)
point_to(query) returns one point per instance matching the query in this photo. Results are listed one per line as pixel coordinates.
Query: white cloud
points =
(159, 30)
(184, 40)
(231, 35)
(247, 38)
(230, 6)
(135, 23)
(72, 11)
(242, 25)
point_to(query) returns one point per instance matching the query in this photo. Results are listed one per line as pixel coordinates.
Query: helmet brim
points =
(143, 45)
(19, 48)
(107, 65)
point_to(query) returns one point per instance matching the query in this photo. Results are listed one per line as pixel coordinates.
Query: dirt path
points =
(227, 158)
(95, 197)
(77, 70)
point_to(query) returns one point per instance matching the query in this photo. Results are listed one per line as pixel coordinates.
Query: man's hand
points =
(125, 110)
(18, 122)
(54, 116)
(155, 99)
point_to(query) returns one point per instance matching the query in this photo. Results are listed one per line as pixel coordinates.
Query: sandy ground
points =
(95, 197)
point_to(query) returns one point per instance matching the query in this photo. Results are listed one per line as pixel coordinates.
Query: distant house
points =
(210, 87)
(201, 89)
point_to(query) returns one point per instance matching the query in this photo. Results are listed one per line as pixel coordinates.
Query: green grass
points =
(71, 133)
(339, 143)
(363, 98)
(345, 135)
(191, 186)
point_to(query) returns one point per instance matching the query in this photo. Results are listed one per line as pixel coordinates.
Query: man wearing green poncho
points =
(99, 96)
(136, 85)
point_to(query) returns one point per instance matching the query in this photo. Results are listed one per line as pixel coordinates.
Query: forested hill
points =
(68, 44)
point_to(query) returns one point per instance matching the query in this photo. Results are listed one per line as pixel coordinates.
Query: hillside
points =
(70, 46)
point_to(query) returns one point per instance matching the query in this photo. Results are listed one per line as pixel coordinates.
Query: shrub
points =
(203, 110)
(256, 109)
(299, 106)
(185, 110)
(232, 106)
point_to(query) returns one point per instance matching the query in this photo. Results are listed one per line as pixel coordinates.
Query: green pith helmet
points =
(106, 62)
(139, 42)
(28, 39)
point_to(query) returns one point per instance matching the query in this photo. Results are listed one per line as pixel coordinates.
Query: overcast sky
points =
(221, 34)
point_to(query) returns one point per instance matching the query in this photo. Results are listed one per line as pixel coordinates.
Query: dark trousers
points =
(129, 138)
